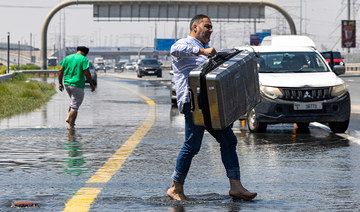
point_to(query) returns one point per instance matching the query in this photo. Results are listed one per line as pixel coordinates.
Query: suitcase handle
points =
(223, 55)
(217, 59)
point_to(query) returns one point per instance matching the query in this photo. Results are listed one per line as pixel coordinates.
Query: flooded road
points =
(41, 161)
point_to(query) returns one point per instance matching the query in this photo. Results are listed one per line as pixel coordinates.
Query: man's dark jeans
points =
(193, 138)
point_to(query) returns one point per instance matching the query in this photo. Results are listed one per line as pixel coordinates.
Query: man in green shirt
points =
(73, 70)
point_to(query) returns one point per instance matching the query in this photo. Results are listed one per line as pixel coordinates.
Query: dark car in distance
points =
(100, 66)
(147, 67)
(119, 66)
(93, 74)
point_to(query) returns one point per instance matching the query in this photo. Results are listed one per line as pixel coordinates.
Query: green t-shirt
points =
(74, 66)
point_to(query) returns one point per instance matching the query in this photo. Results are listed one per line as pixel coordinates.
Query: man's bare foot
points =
(245, 195)
(237, 191)
(70, 127)
(176, 192)
(68, 117)
(71, 118)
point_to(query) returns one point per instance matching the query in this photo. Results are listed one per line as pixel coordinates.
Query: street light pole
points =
(30, 47)
(140, 50)
(348, 9)
(8, 53)
(18, 55)
(301, 17)
(348, 19)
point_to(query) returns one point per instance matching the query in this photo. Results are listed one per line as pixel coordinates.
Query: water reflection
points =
(75, 163)
(315, 168)
(177, 209)
(40, 117)
(313, 137)
(202, 202)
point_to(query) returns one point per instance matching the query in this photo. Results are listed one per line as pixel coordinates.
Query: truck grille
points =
(306, 94)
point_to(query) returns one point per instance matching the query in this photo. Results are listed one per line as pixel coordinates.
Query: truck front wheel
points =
(253, 124)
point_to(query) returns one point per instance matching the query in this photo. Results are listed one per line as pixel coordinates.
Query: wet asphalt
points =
(41, 161)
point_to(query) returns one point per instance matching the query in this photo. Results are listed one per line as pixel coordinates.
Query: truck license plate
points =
(308, 106)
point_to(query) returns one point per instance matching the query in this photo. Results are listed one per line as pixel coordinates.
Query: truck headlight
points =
(270, 92)
(339, 90)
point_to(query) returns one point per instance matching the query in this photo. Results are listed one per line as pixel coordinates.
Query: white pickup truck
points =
(298, 86)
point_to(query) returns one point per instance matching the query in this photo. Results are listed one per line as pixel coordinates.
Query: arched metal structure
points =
(168, 2)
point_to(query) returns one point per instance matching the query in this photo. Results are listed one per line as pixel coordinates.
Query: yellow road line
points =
(82, 200)
(104, 174)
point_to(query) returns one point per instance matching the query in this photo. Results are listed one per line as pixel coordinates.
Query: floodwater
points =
(40, 160)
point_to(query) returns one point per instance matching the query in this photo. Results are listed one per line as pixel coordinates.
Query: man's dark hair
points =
(197, 19)
(83, 49)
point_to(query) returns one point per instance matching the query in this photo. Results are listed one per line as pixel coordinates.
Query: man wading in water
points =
(74, 68)
(187, 54)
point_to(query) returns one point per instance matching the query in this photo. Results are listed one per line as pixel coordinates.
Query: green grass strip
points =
(20, 96)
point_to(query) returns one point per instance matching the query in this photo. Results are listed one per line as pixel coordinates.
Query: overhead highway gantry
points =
(157, 10)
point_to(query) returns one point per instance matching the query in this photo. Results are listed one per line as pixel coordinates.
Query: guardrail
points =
(352, 67)
(6, 77)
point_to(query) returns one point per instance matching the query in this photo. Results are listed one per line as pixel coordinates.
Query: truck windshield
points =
(282, 62)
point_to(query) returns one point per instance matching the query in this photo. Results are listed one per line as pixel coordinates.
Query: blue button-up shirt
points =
(183, 61)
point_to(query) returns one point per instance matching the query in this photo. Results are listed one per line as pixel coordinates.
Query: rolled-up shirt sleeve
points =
(182, 49)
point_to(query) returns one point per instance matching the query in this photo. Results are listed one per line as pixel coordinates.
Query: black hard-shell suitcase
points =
(224, 88)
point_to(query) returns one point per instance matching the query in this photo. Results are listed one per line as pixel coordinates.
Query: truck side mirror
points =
(339, 69)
